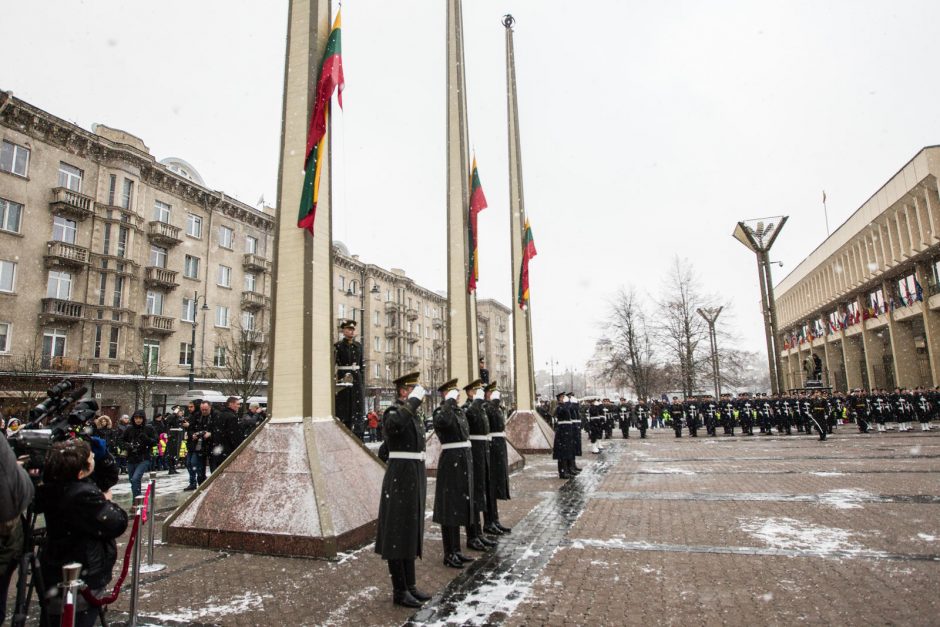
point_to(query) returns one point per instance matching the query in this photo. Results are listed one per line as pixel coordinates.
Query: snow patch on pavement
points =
(339, 614)
(668, 471)
(927, 537)
(848, 498)
(828, 474)
(793, 534)
(215, 609)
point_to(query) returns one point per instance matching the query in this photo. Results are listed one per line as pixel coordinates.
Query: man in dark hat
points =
(566, 432)
(499, 460)
(480, 449)
(348, 356)
(400, 532)
(453, 507)
(484, 372)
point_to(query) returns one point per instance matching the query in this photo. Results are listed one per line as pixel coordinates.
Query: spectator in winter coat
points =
(16, 492)
(138, 439)
(226, 434)
(197, 425)
(81, 522)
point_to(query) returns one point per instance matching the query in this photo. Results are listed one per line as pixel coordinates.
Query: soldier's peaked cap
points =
(347, 324)
(448, 386)
(408, 379)
(473, 385)
(489, 387)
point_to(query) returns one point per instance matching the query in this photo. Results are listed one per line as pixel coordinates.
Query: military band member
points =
(765, 414)
(400, 533)
(642, 414)
(453, 506)
(922, 408)
(348, 358)
(499, 460)
(480, 450)
(609, 412)
(624, 412)
(691, 411)
(711, 415)
(677, 415)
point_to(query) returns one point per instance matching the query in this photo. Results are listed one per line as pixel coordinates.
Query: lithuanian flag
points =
(330, 80)
(528, 252)
(477, 204)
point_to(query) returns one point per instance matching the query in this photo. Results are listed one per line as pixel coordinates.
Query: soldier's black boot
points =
(451, 548)
(411, 582)
(563, 470)
(400, 594)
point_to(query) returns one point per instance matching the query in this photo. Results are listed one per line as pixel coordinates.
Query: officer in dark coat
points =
(624, 417)
(400, 532)
(817, 414)
(480, 450)
(499, 460)
(691, 409)
(563, 447)
(348, 355)
(642, 414)
(677, 413)
(453, 507)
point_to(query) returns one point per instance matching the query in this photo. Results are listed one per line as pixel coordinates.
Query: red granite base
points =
(529, 433)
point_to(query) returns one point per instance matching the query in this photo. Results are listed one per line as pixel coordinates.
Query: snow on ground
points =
(339, 614)
(828, 474)
(667, 471)
(793, 534)
(846, 498)
(927, 537)
(214, 609)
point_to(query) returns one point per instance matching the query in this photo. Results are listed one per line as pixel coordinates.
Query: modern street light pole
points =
(192, 342)
(710, 314)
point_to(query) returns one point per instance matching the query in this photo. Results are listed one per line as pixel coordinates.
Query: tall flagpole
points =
(525, 429)
(826, 213)
(462, 359)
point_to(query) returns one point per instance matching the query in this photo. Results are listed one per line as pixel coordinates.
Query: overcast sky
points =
(648, 128)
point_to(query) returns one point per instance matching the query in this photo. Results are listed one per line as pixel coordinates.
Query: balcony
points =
(503, 359)
(437, 344)
(391, 306)
(254, 300)
(160, 277)
(71, 204)
(255, 263)
(412, 336)
(59, 310)
(60, 364)
(163, 233)
(411, 363)
(65, 255)
(411, 313)
(438, 323)
(255, 337)
(437, 364)
(159, 325)
(392, 358)
(392, 332)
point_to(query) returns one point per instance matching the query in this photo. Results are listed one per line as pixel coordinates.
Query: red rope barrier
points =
(111, 598)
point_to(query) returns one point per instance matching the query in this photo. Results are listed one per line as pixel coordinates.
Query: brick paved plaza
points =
(735, 531)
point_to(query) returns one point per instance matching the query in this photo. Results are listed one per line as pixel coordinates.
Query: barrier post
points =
(70, 585)
(151, 515)
(135, 568)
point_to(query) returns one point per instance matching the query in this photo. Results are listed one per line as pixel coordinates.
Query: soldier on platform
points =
(348, 358)
(484, 372)
(499, 460)
(453, 507)
(677, 414)
(480, 449)
(400, 533)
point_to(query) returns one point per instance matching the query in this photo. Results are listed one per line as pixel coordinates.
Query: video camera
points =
(49, 422)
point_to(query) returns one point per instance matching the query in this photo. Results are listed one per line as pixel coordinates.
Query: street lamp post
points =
(759, 235)
(552, 365)
(192, 343)
(710, 314)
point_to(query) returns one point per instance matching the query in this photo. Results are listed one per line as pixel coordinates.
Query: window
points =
(189, 310)
(112, 187)
(251, 244)
(219, 360)
(221, 316)
(158, 256)
(122, 241)
(375, 371)
(102, 287)
(248, 321)
(155, 303)
(127, 194)
(251, 281)
(377, 344)
(98, 329)
(59, 285)
(388, 345)
(186, 354)
(70, 177)
(113, 342)
(118, 291)
(342, 283)
(225, 276)
(14, 158)
(152, 356)
(106, 239)
(341, 310)
(191, 267)
(226, 237)
(194, 225)
(53, 345)
(5, 336)
(64, 230)
(375, 318)
(161, 211)
(10, 215)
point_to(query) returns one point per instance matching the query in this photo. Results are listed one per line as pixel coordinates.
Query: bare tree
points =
(27, 373)
(630, 358)
(682, 332)
(245, 366)
(145, 370)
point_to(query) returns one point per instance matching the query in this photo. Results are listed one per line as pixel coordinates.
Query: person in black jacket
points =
(197, 426)
(452, 506)
(224, 432)
(16, 493)
(138, 440)
(81, 522)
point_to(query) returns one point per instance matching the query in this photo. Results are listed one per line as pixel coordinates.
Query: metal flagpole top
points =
(508, 21)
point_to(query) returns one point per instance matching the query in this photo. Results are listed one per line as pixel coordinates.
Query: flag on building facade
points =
(528, 252)
(918, 290)
(477, 204)
(330, 80)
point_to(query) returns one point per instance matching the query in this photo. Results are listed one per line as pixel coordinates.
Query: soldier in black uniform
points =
(484, 372)
(642, 414)
(727, 410)
(499, 460)
(860, 410)
(785, 415)
(677, 414)
(595, 425)
(624, 417)
(609, 412)
(453, 507)
(691, 411)
(348, 355)
(567, 431)
(400, 533)
(746, 413)
(817, 413)
(765, 414)
(480, 450)
(922, 408)
(711, 415)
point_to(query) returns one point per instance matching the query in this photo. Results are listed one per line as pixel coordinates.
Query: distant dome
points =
(184, 169)
(341, 247)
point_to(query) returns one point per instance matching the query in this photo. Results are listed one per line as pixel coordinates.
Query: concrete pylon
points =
(302, 484)
(525, 429)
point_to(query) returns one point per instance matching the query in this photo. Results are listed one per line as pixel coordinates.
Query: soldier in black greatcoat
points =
(400, 532)
(499, 461)
(563, 448)
(624, 418)
(642, 414)
(817, 412)
(453, 507)
(595, 427)
(348, 355)
(676, 413)
(480, 449)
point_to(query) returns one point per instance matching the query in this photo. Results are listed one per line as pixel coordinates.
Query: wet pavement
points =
(730, 531)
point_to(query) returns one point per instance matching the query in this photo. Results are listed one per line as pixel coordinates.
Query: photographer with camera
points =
(138, 440)
(82, 524)
(198, 442)
(16, 493)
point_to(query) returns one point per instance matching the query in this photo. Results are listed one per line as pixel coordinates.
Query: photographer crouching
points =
(81, 521)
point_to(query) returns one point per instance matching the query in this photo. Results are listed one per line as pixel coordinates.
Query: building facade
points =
(866, 302)
(111, 262)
